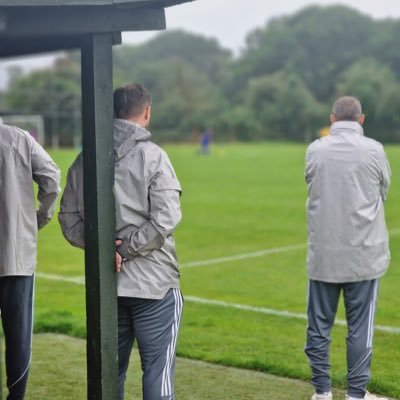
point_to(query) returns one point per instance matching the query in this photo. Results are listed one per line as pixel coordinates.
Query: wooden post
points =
(98, 153)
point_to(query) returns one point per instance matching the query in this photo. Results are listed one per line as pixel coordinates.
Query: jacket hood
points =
(126, 134)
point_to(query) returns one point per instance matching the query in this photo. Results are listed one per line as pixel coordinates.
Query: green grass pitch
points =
(241, 199)
(195, 380)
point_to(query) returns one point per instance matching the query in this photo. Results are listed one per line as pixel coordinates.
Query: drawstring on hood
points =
(126, 134)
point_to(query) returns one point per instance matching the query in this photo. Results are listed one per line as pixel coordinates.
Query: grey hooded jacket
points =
(348, 177)
(147, 205)
(22, 161)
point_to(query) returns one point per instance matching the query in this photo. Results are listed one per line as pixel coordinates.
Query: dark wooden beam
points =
(158, 3)
(45, 44)
(24, 3)
(50, 21)
(98, 163)
(52, 3)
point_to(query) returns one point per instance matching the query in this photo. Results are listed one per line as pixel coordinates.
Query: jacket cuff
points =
(126, 251)
(42, 220)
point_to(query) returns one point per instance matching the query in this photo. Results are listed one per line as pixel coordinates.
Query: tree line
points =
(281, 86)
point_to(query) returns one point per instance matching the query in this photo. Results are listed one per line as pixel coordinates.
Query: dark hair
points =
(130, 100)
(347, 108)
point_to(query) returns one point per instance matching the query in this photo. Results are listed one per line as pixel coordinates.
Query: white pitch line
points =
(278, 313)
(394, 232)
(259, 253)
(243, 256)
(79, 280)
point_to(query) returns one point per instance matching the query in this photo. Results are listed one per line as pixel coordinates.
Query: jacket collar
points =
(347, 127)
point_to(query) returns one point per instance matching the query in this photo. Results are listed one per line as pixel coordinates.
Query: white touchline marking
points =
(80, 280)
(278, 313)
(259, 253)
(394, 232)
(242, 256)
(243, 307)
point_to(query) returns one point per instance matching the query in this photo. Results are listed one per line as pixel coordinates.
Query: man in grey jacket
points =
(348, 179)
(147, 203)
(22, 161)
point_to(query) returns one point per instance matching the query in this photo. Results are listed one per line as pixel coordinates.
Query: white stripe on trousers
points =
(30, 357)
(372, 308)
(166, 386)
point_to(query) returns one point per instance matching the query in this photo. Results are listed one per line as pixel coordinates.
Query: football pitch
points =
(242, 251)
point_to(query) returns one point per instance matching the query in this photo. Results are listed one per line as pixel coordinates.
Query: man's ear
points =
(333, 119)
(147, 114)
(361, 120)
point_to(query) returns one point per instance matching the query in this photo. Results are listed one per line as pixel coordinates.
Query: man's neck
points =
(137, 121)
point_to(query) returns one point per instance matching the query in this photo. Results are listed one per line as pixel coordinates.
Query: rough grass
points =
(66, 380)
(242, 198)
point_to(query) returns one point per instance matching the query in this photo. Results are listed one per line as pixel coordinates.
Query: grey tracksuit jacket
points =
(348, 177)
(22, 162)
(147, 203)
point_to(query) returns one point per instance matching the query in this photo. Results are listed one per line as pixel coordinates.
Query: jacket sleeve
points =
(47, 176)
(385, 174)
(309, 160)
(165, 215)
(70, 216)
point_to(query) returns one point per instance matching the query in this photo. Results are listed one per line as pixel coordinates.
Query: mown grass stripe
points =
(243, 307)
(278, 313)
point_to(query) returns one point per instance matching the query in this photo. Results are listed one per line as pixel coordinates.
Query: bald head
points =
(347, 108)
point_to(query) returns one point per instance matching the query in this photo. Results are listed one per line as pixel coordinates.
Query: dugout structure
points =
(93, 26)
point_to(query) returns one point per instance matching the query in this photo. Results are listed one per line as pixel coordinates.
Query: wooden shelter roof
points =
(36, 26)
(79, 3)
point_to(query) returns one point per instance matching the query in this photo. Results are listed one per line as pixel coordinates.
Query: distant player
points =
(348, 179)
(206, 142)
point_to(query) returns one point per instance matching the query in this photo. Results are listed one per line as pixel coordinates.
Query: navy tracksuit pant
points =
(16, 306)
(360, 304)
(154, 324)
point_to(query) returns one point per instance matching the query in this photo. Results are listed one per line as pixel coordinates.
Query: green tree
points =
(389, 116)
(384, 44)
(183, 97)
(186, 74)
(284, 106)
(54, 93)
(281, 86)
(238, 123)
(203, 54)
(372, 83)
(319, 43)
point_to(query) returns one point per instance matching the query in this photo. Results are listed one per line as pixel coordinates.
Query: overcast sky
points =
(230, 20)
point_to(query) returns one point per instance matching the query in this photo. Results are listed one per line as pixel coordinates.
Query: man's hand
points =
(118, 258)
